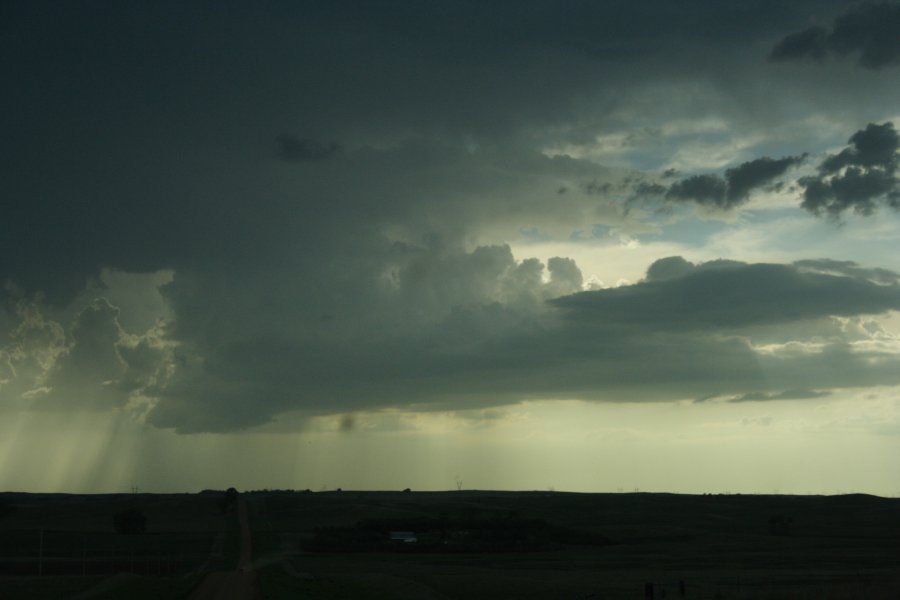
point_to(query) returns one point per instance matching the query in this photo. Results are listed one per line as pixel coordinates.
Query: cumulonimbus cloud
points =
(470, 330)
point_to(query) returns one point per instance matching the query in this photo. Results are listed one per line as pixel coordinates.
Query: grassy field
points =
(59, 546)
(470, 545)
(713, 546)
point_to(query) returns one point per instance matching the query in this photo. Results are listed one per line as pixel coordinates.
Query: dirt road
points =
(239, 584)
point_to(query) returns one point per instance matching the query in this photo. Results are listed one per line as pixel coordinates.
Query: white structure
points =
(407, 537)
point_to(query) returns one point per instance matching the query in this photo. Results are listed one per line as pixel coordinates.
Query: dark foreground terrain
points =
(448, 545)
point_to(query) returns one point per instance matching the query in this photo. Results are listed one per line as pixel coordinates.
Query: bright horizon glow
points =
(748, 448)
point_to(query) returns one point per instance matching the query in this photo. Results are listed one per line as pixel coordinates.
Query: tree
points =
(228, 500)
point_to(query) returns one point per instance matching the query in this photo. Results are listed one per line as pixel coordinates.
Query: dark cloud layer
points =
(732, 190)
(148, 125)
(784, 395)
(755, 173)
(292, 148)
(726, 294)
(867, 31)
(849, 269)
(322, 277)
(455, 330)
(681, 333)
(858, 177)
(708, 190)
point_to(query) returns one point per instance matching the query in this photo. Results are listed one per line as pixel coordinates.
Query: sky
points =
(588, 246)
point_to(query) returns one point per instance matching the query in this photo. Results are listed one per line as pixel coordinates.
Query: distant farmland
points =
(467, 545)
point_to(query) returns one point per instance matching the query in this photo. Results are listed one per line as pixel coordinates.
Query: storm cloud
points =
(867, 31)
(292, 148)
(734, 189)
(500, 343)
(785, 395)
(859, 177)
(468, 330)
(728, 294)
(305, 213)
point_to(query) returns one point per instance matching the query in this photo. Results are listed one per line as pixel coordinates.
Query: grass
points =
(81, 552)
(833, 548)
(44, 588)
